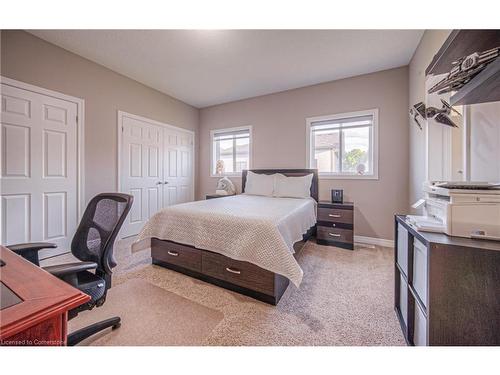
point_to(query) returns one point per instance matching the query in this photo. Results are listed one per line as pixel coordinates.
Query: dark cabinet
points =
(447, 289)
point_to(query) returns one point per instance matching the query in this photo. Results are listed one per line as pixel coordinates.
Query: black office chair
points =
(93, 245)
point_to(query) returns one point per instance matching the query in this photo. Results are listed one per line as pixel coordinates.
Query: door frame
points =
(119, 132)
(80, 133)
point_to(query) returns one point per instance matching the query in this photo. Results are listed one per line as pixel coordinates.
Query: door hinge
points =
(123, 129)
(77, 119)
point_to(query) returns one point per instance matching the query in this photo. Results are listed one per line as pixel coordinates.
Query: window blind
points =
(342, 123)
(236, 134)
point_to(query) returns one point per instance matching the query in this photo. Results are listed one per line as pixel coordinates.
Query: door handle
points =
(165, 182)
(158, 183)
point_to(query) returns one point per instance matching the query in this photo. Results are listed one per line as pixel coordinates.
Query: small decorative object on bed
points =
(225, 187)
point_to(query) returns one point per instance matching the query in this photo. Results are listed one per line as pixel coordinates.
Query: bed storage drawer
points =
(243, 274)
(335, 215)
(176, 254)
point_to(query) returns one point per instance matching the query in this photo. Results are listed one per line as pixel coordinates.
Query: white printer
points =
(462, 209)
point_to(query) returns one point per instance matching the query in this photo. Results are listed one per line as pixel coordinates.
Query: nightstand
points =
(335, 225)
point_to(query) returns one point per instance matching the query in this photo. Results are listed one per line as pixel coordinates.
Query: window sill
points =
(347, 177)
(238, 174)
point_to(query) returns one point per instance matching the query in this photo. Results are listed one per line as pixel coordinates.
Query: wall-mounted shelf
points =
(461, 43)
(483, 88)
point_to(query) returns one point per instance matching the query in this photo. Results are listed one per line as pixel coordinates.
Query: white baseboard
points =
(374, 241)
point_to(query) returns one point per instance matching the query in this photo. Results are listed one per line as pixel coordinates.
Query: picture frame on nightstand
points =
(337, 196)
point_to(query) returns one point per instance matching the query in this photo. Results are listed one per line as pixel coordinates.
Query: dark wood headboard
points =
(288, 173)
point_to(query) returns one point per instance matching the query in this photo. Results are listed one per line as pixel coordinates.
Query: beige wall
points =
(429, 45)
(279, 131)
(278, 122)
(27, 58)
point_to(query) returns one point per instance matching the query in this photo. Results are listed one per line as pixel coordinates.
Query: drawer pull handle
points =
(334, 234)
(237, 272)
(173, 253)
(334, 215)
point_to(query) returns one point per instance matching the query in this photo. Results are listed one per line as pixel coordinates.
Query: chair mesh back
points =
(95, 236)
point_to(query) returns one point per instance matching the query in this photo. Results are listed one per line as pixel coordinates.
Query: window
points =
(344, 145)
(231, 150)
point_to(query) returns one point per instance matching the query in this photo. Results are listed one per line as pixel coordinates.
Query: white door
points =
(141, 171)
(156, 167)
(177, 168)
(38, 168)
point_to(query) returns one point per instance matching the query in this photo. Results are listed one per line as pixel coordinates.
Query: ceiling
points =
(208, 67)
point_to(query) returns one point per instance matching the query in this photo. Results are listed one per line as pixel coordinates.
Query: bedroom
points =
(136, 146)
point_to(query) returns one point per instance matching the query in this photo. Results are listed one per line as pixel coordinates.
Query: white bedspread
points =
(256, 229)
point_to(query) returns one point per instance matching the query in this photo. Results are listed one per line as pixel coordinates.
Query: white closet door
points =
(178, 167)
(156, 167)
(141, 171)
(38, 168)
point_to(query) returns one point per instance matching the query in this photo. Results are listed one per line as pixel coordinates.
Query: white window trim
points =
(250, 153)
(334, 176)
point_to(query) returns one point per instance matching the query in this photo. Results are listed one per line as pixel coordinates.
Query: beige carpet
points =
(150, 316)
(346, 298)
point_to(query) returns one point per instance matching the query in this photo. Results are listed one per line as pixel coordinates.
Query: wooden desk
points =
(35, 304)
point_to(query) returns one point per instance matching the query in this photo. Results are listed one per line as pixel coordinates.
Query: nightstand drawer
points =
(334, 234)
(335, 215)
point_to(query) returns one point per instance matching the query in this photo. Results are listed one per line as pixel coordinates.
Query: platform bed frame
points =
(242, 277)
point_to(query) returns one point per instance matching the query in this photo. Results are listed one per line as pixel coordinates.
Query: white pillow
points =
(259, 184)
(293, 187)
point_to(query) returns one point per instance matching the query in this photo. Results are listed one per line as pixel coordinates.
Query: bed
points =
(244, 243)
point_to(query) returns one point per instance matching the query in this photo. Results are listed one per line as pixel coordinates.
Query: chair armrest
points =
(30, 251)
(36, 246)
(62, 270)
